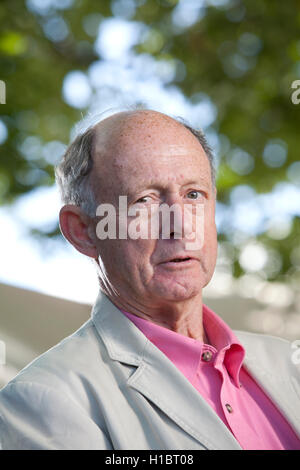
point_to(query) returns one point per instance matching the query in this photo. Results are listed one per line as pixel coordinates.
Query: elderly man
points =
(153, 368)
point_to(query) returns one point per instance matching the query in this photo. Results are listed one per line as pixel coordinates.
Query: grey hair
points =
(74, 171)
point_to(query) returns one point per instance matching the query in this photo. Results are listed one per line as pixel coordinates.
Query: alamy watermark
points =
(295, 357)
(2, 92)
(152, 222)
(296, 94)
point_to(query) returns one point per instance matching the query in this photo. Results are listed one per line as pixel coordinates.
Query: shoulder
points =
(52, 399)
(261, 344)
(59, 367)
(271, 352)
(262, 340)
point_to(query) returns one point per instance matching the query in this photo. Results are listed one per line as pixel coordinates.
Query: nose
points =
(176, 219)
(176, 230)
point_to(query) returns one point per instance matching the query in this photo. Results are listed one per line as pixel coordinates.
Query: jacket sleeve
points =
(37, 417)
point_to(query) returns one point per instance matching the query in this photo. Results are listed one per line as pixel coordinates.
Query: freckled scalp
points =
(137, 130)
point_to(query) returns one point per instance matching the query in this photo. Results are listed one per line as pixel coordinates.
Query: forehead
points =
(144, 148)
(140, 130)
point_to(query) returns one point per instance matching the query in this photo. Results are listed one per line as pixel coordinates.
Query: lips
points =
(179, 263)
(178, 259)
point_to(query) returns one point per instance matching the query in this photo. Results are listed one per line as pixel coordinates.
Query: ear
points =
(77, 228)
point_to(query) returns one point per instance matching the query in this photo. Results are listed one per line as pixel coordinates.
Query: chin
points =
(177, 292)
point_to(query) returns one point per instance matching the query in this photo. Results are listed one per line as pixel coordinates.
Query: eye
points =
(194, 194)
(143, 200)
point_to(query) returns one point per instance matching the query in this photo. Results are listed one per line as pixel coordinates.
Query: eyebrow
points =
(159, 187)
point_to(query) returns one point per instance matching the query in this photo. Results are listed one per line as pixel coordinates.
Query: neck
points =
(183, 317)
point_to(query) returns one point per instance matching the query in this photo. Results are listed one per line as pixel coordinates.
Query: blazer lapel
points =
(158, 379)
(161, 382)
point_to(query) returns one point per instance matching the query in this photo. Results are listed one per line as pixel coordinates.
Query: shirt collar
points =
(228, 349)
(220, 335)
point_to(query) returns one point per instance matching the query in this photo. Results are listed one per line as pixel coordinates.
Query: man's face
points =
(152, 160)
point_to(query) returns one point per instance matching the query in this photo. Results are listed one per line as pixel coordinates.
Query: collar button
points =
(206, 356)
(229, 408)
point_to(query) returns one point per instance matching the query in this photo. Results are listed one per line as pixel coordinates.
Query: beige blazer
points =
(108, 387)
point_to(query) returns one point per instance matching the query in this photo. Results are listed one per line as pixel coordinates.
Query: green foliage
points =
(33, 68)
(243, 54)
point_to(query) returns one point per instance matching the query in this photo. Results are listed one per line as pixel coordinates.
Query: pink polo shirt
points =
(219, 376)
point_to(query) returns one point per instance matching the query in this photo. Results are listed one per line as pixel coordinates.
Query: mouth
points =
(179, 260)
(179, 264)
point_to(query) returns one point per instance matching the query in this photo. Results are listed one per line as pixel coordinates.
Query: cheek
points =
(129, 256)
(138, 264)
(210, 238)
(139, 252)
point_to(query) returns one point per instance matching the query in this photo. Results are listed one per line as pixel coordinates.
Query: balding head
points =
(127, 129)
(126, 126)
(107, 138)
